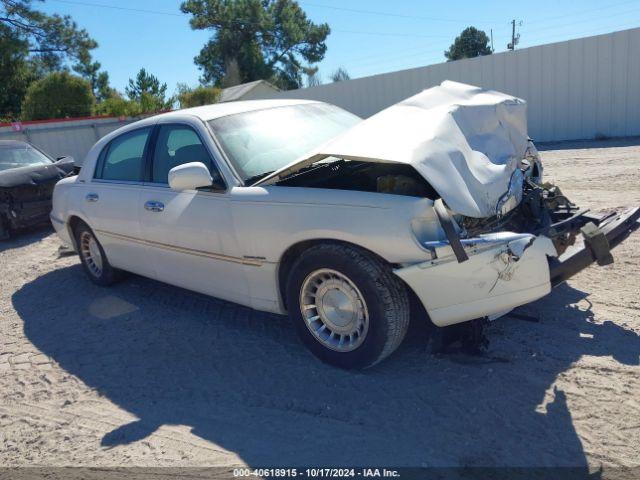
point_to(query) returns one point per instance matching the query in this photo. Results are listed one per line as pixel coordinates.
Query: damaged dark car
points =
(27, 178)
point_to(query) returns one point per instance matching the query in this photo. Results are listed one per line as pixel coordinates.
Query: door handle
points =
(154, 206)
(92, 197)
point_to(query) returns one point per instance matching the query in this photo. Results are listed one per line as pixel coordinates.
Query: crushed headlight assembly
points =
(513, 196)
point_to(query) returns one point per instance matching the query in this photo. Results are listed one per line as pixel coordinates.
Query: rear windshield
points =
(21, 155)
(262, 141)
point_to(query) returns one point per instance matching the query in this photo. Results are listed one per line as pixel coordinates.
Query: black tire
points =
(107, 275)
(385, 297)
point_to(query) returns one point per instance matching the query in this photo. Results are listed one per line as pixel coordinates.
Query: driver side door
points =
(190, 233)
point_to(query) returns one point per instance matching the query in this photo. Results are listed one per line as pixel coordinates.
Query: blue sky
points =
(368, 36)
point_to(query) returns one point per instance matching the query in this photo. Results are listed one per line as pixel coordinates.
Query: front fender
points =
(268, 220)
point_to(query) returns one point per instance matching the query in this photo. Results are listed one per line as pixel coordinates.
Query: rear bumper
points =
(505, 270)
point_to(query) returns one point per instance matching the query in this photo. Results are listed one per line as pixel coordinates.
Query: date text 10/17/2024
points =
(316, 472)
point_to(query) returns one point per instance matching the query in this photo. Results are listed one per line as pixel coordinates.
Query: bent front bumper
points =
(506, 270)
(614, 227)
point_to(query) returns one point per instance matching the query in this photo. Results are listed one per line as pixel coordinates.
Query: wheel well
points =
(72, 224)
(293, 253)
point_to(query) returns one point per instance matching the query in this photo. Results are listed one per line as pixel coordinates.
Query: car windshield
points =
(262, 141)
(17, 155)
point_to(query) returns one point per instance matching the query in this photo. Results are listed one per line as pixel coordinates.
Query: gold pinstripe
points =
(189, 251)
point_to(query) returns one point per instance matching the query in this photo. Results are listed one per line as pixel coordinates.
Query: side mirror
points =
(189, 176)
(67, 159)
(77, 165)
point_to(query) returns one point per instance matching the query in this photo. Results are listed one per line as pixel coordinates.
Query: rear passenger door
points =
(190, 233)
(112, 198)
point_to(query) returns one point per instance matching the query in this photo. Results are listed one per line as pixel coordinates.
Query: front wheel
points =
(348, 307)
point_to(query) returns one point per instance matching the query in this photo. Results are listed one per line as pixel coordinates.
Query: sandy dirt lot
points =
(146, 374)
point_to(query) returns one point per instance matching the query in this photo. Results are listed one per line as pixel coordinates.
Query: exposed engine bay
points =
(363, 176)
(536, 207)
(543, 210)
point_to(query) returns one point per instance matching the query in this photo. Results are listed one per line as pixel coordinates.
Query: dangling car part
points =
(299, 207)
(27, 178)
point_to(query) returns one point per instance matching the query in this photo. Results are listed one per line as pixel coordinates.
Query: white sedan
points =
(345, 224)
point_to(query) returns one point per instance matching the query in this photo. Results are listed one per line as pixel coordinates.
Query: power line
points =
(114, 7)
(409, 52)
(391, 34)
(389, 14)
(395, 66)
(580, 13)
(372, 12)
(386, 53)
(587, 20)
(374, 61)
(237, 21)
(598, 31)
(591, 32)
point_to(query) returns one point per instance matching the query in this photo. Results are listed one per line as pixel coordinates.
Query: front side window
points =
(176, 145)
(123, 159)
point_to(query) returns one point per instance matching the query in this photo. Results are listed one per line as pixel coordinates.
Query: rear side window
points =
(123, 158)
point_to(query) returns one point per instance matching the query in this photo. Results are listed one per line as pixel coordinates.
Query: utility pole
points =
(492, 50)
(514, 38)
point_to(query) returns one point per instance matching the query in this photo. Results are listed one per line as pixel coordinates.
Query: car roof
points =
(217, 110)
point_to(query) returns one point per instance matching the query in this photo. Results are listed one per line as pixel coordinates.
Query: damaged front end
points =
(544, 211)
(25, 194)
(486, 267)
(505, 237)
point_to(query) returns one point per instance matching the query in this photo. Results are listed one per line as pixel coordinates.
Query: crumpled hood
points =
(465, 141)
(36, 174)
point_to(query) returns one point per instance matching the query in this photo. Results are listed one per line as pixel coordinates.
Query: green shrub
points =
(198, 96)
(58, 95)
(117, 106)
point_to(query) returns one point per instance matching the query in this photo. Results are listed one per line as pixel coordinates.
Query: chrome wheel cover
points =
(334, 310)
(90, 252)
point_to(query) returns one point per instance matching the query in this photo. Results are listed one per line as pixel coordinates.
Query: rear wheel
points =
(93, 259)
(347, 306)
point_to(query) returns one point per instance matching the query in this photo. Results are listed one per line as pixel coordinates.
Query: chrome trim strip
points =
(116, 182)
(189, 251)
(495, 238)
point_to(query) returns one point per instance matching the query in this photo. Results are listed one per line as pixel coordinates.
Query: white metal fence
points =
(576, 89)
(65, 137)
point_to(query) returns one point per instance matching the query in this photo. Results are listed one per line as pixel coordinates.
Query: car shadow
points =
(25, 236)
(240, 379)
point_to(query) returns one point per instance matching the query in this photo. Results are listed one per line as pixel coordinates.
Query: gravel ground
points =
(146, 374)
